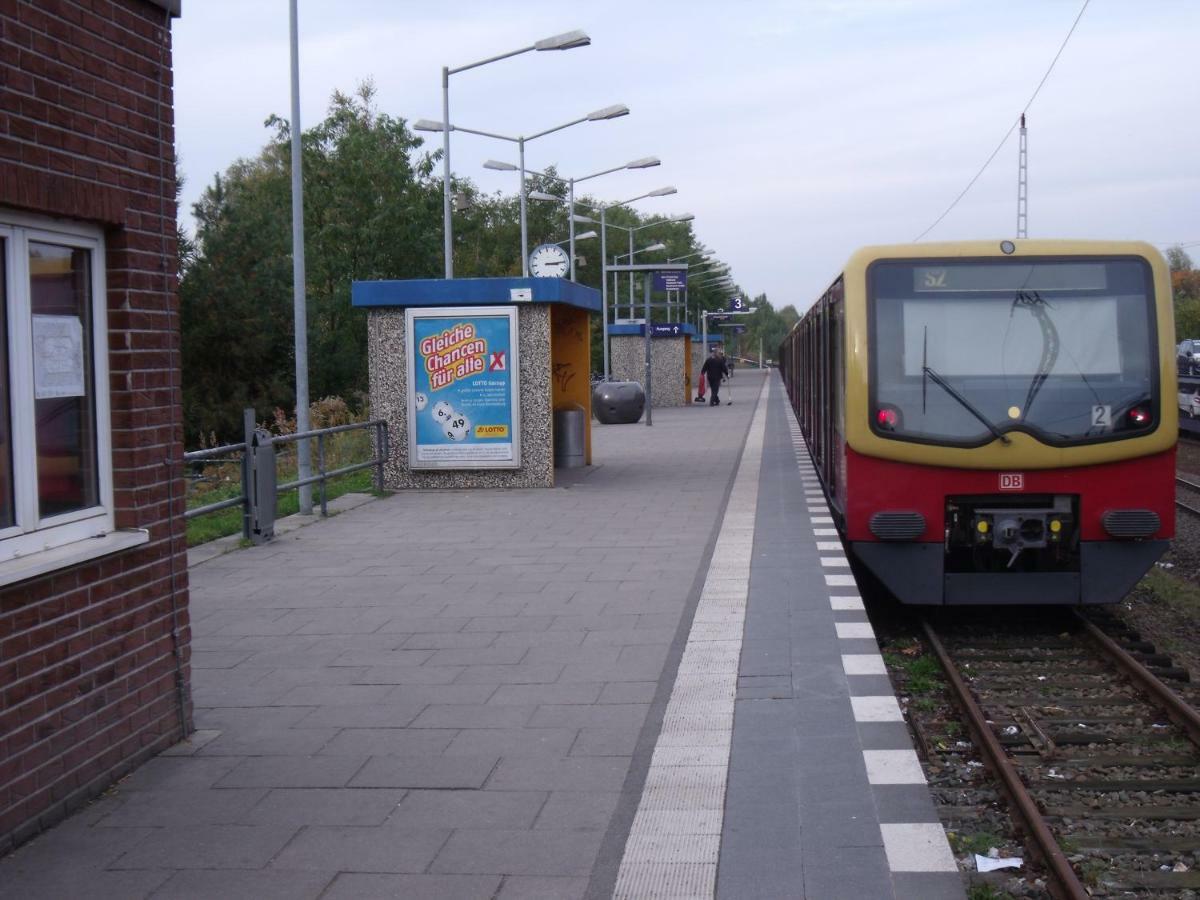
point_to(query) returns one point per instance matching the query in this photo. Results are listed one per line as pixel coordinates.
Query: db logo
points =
(1012, 481)
(497, 363)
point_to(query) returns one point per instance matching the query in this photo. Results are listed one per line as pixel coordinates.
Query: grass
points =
(1176, 592)
(978, 842)
(222, 480)
(229, 521)
(987, 892)
(924, 672)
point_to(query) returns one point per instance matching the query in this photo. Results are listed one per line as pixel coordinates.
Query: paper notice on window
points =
(58, 357)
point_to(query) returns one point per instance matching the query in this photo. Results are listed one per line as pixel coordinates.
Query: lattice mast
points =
(1023, 184)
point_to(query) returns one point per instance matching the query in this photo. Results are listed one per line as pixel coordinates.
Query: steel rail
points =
(1176, 708)
(1187, 507)
(1066, 884)
(1194, 485)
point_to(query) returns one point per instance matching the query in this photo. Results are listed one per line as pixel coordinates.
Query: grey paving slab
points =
(605, 773)
(195, 806)
(578, 810)
(367, 886)
(449, 772)
(324, 806)
(526, 887)
(207, 847)
(380, 715)
(205, 884)
(365, 742)
(519, 852)
(73, 881)
(383, 849)
(407, 701)
(469, 809)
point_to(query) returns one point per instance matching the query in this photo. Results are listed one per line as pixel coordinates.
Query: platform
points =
(653, 680)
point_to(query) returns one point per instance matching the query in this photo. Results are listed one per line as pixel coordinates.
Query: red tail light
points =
(1139, 416)
(888, 417)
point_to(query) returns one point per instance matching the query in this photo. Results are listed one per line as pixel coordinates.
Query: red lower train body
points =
(946, 536)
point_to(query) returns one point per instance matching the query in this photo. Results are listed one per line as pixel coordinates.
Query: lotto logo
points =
(498, 363)
(1012, 481)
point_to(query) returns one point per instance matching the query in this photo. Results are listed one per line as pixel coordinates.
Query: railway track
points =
(1095, 753)
(1188, 487)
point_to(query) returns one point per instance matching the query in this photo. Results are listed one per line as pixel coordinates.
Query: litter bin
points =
(618, 402)
(569, 441)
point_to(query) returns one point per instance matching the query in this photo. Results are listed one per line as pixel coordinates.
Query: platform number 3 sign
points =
(1101, 416)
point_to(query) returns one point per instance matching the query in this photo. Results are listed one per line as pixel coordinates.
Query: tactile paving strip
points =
(675, 840)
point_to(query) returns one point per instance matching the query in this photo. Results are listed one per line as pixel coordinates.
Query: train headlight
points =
(1139, 416)
(983, 529)
(888, 418)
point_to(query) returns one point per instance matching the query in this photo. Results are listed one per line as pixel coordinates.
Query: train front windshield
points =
(963, 352)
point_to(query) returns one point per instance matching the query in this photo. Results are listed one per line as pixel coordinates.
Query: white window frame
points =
(32, 534)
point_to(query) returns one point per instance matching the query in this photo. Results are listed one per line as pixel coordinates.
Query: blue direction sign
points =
(670, 281)
(717, 320)
(737, 304)
(665, 329)
(735, 329)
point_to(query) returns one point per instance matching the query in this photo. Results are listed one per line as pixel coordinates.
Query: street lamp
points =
(599, 115)
(643, 163)
(682, 217)
(567, 41)
(604, 207)
(586, 236)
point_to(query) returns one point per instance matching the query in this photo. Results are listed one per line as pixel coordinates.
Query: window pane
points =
(1067, 356)
(7, 509)
(61, 303)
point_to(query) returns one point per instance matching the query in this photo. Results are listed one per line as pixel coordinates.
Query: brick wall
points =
(88, 670)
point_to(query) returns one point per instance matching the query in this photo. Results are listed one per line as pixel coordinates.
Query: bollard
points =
(258, 482)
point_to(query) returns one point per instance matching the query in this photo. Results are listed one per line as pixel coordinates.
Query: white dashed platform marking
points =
(854, 630)
(876, 709)
(917, 847)
(893, 767)
(863, 664)
(909, 847)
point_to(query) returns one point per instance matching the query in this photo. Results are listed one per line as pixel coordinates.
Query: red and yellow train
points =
(994, 422)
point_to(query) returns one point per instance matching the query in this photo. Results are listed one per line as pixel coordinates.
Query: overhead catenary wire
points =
(1011, 128)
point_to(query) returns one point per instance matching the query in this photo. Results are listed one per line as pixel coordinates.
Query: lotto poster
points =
(463, 403)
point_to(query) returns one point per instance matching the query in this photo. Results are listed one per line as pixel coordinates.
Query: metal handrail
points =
(250, 448)
(208, 454)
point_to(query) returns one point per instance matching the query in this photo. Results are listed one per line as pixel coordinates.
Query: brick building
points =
(93, 569)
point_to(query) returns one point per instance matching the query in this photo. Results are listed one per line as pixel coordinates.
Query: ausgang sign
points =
(665, 329)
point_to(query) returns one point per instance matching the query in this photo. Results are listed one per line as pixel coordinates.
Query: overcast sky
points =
(794, 131)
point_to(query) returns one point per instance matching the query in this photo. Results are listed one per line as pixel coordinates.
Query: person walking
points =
(715, 371)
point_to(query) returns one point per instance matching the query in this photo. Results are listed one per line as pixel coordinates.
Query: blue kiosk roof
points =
(472, 292)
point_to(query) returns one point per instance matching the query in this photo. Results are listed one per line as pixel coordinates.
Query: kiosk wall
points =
(467, 373)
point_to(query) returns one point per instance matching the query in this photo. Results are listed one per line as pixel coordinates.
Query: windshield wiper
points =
(1050, 342)
(967, 404)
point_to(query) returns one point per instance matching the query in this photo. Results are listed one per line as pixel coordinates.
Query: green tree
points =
(1178, 259)
(371, 211)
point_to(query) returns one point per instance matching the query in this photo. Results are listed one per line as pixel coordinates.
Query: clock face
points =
(549, 261)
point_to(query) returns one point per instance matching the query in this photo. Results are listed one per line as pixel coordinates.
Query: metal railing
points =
(260, 492)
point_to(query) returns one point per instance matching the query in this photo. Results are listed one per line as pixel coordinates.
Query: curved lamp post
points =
(604, 207)
(566, 41)
(644, 163)
(600, 115)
